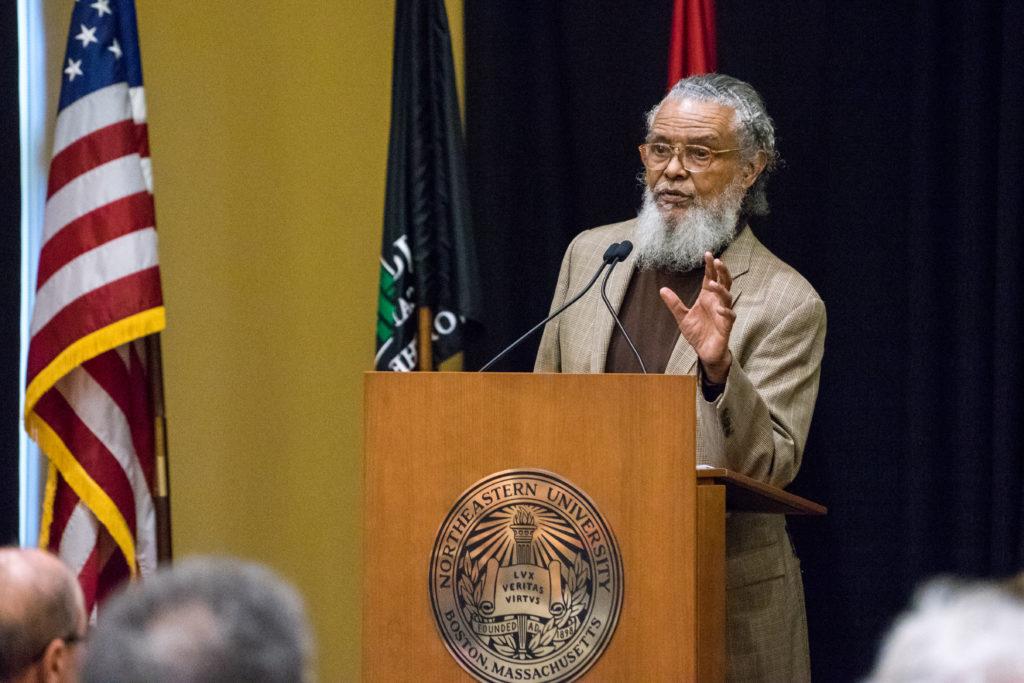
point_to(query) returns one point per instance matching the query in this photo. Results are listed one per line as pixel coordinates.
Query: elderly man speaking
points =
(700, 294)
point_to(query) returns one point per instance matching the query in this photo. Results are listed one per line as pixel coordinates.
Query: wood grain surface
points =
(627, 441)
(711, 655)
(744, 494)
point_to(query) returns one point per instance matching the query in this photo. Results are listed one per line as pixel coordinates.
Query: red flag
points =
(98, 293)
(692, 48)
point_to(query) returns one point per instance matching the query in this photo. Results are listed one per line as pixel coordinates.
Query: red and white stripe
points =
(99, 266)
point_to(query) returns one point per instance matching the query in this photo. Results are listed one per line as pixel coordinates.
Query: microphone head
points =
(611, 254)
(625, 247)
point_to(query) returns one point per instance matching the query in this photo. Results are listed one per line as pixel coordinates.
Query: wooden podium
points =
(626, 441)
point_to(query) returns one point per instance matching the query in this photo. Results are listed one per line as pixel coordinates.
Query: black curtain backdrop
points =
(902, 127)
(10, 271)
(555, 97)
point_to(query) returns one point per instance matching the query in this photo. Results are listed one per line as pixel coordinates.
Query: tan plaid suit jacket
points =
(758, 426)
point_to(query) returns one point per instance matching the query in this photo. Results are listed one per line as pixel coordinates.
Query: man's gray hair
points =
(753, 125)
(204, 620)
(957, 631)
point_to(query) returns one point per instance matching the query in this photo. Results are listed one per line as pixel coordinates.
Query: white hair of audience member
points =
(957, 632)
(202, 620)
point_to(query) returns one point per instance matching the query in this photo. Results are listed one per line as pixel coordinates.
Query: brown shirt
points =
(648, 321)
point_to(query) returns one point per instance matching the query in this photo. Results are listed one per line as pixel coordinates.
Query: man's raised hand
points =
(706, 326)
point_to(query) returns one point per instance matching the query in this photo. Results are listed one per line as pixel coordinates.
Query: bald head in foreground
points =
(203, 620)
(42, 617)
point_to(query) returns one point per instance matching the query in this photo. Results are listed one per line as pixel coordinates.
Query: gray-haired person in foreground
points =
(957, 632)
(42, 617)
(204, 620)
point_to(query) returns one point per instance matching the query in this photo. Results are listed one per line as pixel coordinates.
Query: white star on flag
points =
(87, 35)
(102, 6)
(115, 47)
(74, 68)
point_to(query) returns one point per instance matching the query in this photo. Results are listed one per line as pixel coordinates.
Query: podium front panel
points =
(626, 441)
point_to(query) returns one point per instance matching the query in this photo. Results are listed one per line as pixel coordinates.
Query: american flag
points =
(98, 293)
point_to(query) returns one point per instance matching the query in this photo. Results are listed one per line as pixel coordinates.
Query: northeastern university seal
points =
(525, 579)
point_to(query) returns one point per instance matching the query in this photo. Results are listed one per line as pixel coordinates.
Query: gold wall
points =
(269, 129)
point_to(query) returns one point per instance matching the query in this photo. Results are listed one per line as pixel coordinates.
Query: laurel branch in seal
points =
(556, 632)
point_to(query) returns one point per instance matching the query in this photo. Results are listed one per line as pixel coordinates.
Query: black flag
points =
(428, 278)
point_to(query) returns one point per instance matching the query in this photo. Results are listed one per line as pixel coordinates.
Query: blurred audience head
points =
(957, 632)
(205, 619)
(42, 617)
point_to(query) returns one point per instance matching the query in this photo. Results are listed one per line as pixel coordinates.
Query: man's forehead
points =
(32, 572)
(694, 121)
(30, 561)
(22, 575)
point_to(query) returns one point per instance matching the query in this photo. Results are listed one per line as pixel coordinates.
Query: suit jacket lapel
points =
(736, 257)
(683, 360)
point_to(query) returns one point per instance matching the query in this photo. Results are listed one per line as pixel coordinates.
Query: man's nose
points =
(675, 167)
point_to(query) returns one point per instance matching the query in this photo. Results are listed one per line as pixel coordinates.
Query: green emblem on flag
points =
(427, 256)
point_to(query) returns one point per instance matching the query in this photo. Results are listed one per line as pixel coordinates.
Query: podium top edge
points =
(744, 494)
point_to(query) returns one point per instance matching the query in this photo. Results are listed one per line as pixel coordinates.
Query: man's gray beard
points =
(679, 243)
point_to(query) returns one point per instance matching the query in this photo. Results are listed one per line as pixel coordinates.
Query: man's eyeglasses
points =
(694, 158)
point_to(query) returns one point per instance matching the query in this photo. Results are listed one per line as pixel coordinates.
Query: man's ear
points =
(56, 662)
(752, 169)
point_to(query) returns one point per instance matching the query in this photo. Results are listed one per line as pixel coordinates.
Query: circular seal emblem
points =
(525, 579)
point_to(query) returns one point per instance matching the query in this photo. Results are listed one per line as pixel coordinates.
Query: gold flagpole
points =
(162, 494)
(426, 354)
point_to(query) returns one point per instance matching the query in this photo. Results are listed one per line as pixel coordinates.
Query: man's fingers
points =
(723, 274)
(674, 303)
(721, 292)
(710, 274)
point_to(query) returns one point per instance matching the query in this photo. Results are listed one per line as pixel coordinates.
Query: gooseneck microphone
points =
(623, 251)
(610, 255)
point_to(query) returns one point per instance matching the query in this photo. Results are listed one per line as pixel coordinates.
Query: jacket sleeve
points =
(758, 426)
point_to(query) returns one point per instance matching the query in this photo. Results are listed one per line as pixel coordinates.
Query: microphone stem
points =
(604, 295)
(546, 320)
